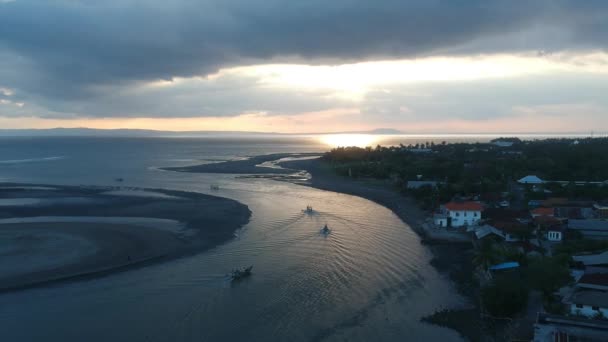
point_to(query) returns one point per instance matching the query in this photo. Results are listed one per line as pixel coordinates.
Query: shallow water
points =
(370, 279)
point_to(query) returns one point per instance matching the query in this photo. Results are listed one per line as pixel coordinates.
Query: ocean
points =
(370, 280)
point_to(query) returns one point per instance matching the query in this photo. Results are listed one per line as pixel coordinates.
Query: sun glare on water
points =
(346, 140)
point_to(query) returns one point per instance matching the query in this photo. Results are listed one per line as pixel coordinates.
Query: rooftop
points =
(599, 279)
(502, 213)
(598, 225)
(543, 212)
(464, 206)
(505, 266)
(591, 298)
(509, 225)
(592, 259)
(530, 180)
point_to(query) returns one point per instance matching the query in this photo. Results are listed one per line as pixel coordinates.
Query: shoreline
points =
(40, 251)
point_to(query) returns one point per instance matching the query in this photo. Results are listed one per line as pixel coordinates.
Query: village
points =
(509, 238)
(540, 241)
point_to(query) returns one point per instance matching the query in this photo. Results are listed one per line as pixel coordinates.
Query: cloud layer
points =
(70, 58)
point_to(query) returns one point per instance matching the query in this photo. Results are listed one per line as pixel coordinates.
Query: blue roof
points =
(504, 266)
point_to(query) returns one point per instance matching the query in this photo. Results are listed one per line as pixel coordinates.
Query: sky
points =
(419, 66)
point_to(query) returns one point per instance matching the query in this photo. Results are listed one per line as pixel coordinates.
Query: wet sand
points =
(36, 253)
(246, 166)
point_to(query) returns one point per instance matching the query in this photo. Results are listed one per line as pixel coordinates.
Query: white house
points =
(591, 297)
(589, 303)
(530, 180)
(555, 235)
(459, 214)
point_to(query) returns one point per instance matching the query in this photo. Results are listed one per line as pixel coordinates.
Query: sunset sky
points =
(419, 66)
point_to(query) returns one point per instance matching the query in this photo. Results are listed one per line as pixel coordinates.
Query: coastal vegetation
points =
(474, 168)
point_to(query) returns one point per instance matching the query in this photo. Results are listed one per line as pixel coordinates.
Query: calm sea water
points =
(369, 280)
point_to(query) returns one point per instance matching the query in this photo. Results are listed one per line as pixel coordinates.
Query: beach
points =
(74, 232)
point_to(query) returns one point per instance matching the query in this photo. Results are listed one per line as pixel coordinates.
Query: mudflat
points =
(71, 232)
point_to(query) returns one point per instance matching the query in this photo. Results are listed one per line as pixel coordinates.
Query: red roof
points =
(543, 212)
(464, 206)
(595, 279)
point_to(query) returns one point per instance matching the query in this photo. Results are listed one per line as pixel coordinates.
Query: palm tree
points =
(485, 255)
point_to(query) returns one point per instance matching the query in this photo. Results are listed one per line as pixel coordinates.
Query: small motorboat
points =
(119, 179)
(308, 209)
(325, 230)
(214, 187)
(241, 273)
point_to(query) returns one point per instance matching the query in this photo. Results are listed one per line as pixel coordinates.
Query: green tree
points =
(548, 274)
(485, 255)
(504, 297)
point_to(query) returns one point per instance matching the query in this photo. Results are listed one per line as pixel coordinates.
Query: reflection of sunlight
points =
(345, 140)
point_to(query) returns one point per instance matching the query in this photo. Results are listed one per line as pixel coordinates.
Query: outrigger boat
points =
(241, 273)
(325, 230)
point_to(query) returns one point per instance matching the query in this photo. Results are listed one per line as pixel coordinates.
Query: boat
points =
(325, 230)
(214, 187)
(308, 209)
(119, 179)
(241, 273)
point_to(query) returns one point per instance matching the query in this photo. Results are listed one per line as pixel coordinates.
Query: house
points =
(417, 184)
(601, 211)
(592, 259)
(589, 303)
(556, 233)
(420, 150)
(531, 180)
(459, 214)
(541, 211)
(553, 228)
(590, 299)
(487, 230)
(565, 208)
(511, 229)
(593, 229)
(594, 281)
(556, 328)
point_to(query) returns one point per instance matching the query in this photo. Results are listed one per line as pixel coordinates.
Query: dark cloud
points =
(66, 52)
(86, 42)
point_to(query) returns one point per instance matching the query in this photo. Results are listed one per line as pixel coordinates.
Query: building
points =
(555, 234)
(590, 299)
(600, 259)
(592, 229)
(590, 304)
(594, 281)
(417, 184)
(550, 212)
(511, 229)
(459, 214)
(531, 180)
(601, 211)
(554, 328)
(553, 228)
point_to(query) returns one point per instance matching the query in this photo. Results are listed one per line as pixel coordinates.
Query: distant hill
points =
(73, 132)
